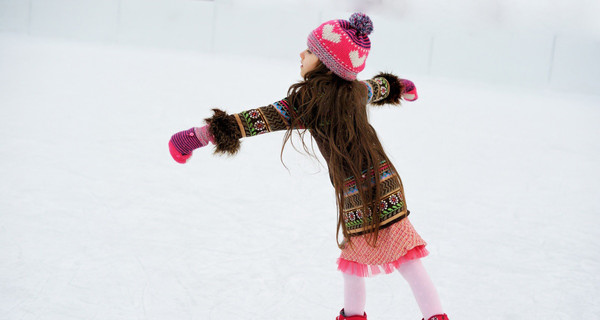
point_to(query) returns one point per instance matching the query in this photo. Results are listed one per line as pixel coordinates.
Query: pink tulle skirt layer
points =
(367, 270)
(395, 245)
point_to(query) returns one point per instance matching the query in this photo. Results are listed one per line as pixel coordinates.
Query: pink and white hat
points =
(343, 46)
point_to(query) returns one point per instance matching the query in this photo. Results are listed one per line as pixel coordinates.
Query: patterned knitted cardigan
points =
(385, 88)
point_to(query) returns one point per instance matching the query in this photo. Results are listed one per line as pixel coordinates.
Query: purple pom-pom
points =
(362, 23)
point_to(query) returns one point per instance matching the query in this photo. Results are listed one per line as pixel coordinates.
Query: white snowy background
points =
(499, 157)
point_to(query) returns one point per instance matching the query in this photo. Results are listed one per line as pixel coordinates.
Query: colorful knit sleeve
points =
(384, 88)
(228, 129)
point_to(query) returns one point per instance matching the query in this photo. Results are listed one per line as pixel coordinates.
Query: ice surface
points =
(98, 222)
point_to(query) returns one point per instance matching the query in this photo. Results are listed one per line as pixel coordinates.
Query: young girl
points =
(332, 106)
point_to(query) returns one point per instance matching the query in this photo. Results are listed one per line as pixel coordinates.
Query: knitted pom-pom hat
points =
(343, 46)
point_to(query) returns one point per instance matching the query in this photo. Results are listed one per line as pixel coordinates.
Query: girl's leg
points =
(355, 295)
(422, 287)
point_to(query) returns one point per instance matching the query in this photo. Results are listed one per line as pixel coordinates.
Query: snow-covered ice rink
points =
(98, 222)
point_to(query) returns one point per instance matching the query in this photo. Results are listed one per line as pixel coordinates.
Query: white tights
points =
(355, 293)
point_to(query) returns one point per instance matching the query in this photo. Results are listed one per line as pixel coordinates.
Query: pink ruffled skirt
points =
(395, 245)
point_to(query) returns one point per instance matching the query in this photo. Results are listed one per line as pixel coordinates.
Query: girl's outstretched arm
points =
(225, 130)
(386, 88)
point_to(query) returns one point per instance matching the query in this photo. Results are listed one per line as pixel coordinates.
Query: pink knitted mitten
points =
(183, 143)
(409, 92)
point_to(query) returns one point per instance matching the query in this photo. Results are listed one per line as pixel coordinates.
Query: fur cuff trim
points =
(395, 90)
(225, 131)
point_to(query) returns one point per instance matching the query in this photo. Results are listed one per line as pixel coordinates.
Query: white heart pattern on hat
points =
(356, 60)
(330, 35)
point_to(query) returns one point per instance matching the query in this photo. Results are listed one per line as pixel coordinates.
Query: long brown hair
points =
(334, 111)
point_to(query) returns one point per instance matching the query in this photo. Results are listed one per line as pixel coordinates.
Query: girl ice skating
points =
(376, 234)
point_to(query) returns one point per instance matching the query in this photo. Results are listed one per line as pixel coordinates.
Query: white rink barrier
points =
(279, 29)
